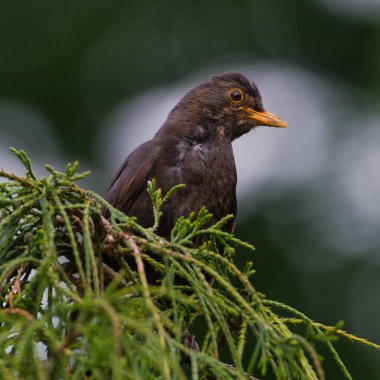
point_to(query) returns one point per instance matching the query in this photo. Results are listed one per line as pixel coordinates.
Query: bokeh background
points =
(90, 80)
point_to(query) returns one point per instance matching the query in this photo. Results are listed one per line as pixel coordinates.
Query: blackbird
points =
(193, 147)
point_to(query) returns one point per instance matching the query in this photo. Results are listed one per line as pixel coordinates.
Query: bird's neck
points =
(199, 128)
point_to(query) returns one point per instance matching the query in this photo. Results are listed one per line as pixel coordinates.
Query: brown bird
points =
(193, 147)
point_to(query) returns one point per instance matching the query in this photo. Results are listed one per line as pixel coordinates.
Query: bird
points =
(193, 147)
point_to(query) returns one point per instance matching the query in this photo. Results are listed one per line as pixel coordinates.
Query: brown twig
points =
(110, 273)
(13, 177)
(16, 310)
(16, 287)
(7, 278)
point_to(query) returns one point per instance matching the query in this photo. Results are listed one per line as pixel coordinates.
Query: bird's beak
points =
(264, 118)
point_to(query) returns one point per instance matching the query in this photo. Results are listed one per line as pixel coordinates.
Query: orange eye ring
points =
(236, 95)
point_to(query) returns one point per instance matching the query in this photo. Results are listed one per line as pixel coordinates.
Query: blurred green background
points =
(90, 80)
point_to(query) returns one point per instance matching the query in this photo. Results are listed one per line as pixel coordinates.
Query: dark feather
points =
(193, 147)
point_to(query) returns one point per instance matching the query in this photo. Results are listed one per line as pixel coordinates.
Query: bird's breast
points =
(209, 173)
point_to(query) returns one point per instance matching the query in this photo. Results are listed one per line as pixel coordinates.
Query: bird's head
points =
(229, 105)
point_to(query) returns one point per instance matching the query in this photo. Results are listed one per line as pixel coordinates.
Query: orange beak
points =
(264, 118)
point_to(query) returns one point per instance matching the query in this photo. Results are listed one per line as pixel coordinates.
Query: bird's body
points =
(193, 147)
(197, 166)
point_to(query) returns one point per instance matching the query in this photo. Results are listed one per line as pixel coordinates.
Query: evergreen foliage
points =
(66, 314)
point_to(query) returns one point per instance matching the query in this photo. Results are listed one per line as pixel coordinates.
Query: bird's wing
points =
(132, 176)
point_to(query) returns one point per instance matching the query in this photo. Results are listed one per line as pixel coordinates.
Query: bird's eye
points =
(236, 96)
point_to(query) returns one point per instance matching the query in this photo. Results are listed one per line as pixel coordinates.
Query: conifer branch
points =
(65, 313)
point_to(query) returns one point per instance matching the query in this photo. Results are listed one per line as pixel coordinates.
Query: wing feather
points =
(132, 177)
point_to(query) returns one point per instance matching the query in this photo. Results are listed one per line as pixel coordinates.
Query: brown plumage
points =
(193, 147)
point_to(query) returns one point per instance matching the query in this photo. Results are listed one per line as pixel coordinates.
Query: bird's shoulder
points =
(193, 157)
